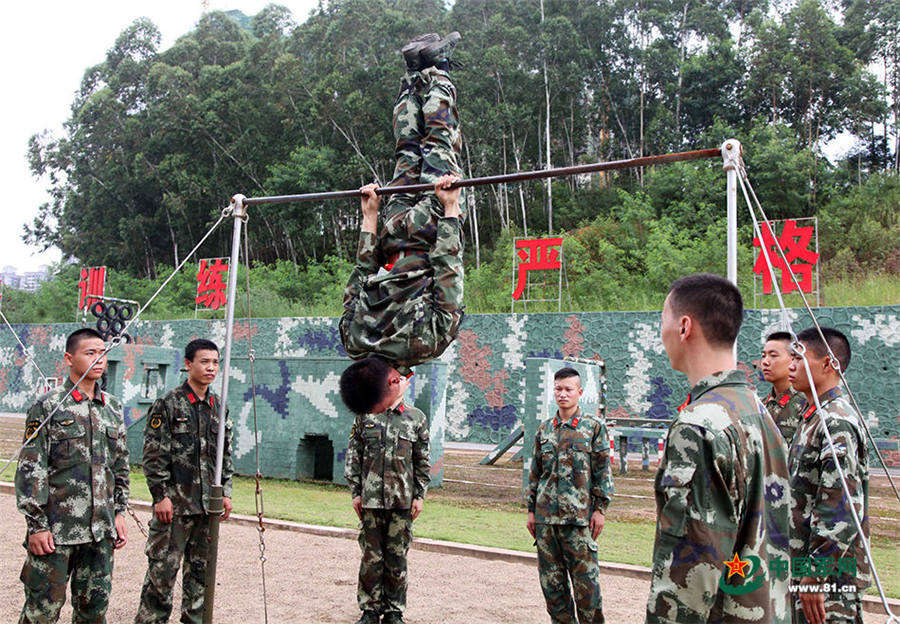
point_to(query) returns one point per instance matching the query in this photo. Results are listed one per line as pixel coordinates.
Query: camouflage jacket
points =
(72, 478)
(180, 450)
(408, 312)
(721, 490)
(388, 458)
(821, 524)
(570, 475)
(785, 411)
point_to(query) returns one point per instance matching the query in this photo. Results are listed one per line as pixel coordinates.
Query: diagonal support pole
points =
(215, 499)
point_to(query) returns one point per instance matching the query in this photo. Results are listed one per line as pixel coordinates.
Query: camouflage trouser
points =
(186, 537)
(844, 608)
(565, 552)
(45, 578)
(428, 141)
(384, 537)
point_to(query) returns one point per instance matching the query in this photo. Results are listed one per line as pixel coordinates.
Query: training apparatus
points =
(736, 174)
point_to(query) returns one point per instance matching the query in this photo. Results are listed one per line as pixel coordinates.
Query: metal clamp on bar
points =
(239, 206)
(731, 150)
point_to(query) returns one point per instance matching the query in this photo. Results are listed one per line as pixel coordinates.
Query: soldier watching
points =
(721, 487)
(784, 403)
(179, 463)
(388, 472)
(570, 488)
(72, 487)
(822, 529)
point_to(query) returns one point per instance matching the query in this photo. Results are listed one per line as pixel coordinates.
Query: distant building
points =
(28, 280)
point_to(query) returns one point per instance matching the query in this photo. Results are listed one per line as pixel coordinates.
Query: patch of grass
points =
(628, 542)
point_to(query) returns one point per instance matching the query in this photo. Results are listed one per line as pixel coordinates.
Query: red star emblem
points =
(736, 566)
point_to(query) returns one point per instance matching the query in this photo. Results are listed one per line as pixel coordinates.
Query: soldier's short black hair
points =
(712, 301)
(78, 335)
(199, 344)
(364, 383)
(837, 341)
(780, 335)
(565, 373)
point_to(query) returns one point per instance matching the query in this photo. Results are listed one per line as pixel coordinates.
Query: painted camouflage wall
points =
(486, 380)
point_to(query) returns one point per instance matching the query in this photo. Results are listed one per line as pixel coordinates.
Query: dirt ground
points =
(313, 579)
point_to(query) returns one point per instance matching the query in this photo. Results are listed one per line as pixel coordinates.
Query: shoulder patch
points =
(30, 428)
(155, 421)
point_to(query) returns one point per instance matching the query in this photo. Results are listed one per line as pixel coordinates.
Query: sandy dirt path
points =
(312, 579)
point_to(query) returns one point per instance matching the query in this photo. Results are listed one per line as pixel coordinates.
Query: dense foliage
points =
(159, 139)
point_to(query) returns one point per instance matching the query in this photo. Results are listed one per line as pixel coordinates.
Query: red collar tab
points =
(77, 395)
(809, 411)
(687, 402)
(389, 266)
(212, 403)
(192, 398)
(401, 408)
(784, 399)
(102, 397)
(574, 421)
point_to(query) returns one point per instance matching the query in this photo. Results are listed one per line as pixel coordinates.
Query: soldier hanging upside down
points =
(403, 306)
(403, 301)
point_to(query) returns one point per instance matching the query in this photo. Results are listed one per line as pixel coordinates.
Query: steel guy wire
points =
(118, 339)
(742, 175)
(800, 350)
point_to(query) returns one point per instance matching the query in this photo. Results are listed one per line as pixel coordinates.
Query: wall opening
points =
(315, 457)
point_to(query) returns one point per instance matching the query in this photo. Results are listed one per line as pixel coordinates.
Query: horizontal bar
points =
(519, 176)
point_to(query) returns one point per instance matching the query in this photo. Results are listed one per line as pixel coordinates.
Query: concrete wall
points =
(486, 383)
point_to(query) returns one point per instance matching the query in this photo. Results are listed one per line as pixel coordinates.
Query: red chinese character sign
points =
(801, 256)
(92, 281)
(211, 287)
(537, 255)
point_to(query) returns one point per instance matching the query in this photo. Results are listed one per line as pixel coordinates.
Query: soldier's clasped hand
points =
(41, 543)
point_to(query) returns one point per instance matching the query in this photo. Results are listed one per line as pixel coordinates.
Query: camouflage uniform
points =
(570, 478)
(387, 466)
(721, 490)
(72, 480)
(821, 525)
(179, 463)
(785, 411)
(404, 298)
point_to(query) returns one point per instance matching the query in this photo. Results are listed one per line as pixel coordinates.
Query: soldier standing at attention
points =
(822, 530)
(179, 463)
(403, 301)
(388, 472)
(570, 488)
(72, 487)
(722, 485)
(784, 403)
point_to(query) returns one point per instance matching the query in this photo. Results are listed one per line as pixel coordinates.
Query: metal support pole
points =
(239, 212)
(731, 154)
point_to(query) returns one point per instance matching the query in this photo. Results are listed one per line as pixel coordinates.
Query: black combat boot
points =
(393, 617)
(437, 53)
(368, 617)
(411, 50)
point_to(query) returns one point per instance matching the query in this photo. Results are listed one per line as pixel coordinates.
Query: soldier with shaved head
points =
(722, 485)
(569, 490)
(822, 530)
(72, 487)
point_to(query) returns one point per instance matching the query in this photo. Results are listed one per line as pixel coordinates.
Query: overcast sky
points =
(45, 48)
